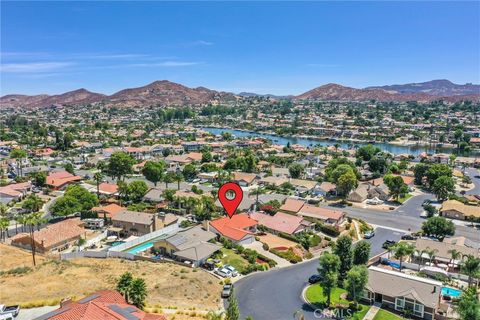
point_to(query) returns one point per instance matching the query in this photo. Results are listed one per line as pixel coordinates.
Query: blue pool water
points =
(117, 243)
(142, 247)
(446, 291)
(394, 264)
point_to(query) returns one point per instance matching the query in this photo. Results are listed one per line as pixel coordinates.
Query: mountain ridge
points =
(167, 93)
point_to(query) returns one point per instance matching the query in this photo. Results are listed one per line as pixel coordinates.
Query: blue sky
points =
(263, 47)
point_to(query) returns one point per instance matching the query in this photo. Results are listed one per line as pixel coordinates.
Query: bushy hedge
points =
(288, 255)
(288, 236)
(330, 230)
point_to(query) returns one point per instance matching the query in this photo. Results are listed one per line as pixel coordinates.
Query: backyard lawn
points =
(233, 259)
(404, 198)
(315, 295)
(385, 315)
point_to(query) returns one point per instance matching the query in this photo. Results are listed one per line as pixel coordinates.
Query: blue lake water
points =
(282, 140)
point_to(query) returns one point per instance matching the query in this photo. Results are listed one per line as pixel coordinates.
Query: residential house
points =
(244, 179)
(128, 223)
(240, 228)
(191, 244)
(442, 250)
(360, 194)
(108, 211)
(292, 206)
(15, 191)
(105, 305)
(456, 210)
(399, 291)
(108, 189)
(53, 238)
(326, 189)
(61, 179)
(282, 222)
(329, 216)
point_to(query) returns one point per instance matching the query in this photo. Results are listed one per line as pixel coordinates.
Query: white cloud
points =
(34, 67)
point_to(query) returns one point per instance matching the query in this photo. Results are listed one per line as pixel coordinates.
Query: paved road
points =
(472, 172)
(382, 235)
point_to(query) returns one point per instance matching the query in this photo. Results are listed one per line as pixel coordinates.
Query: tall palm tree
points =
(402, 250)
(98, 177)
(431, 253)
(471, 267)
(32, 220)
(178, 177)
(419, 253)
(138, 292)
(4, 223)
(454, 254)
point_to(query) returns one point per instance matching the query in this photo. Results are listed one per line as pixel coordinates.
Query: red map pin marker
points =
(230, 205)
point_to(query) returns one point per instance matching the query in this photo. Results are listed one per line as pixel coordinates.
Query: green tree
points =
(66, 206)
(438, 227)
(346, 183)
(153, 171)
(124, 284)
(31, 221)
(436, 171)
(361, 252)
(328, 272)
(120, 164)
(471, 267)
(420, 171)
(69, 168)
(356, 280)
(296, 170)
(32, 203)
(189, 172)
(18, 155)
(98, 178)
(137, 293)
(212, 315)
(207, 156)
(85, 198)
(137, 190)
(4, 224)
(233, 312)
(402, 250)
(169, 177)
(468, 306)
(443, 186)
(343, 249)
(178, 177)
(395, 185)
(39, 179)
(367, 152)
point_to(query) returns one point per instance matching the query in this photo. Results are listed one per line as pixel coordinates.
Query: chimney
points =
(65, 302)
(206, 225)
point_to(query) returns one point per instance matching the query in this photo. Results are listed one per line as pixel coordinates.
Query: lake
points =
(282, 140)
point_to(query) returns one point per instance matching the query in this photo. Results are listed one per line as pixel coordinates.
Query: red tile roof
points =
(281, 222)
(234, 228)
(320, 213)
(102, 305)
(58, 179)
(111, 210)
(292, 205)
(106, 187)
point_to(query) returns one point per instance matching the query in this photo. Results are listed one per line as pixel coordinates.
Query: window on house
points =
(399, 303)
(418, 309)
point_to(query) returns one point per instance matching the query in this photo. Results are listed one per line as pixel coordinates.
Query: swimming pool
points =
(394, 264)
(117, 243)
(455, 293)
(142, 247)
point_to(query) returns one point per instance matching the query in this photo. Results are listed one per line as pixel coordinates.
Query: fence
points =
(149, 236)
(95, 240)
(96, 254)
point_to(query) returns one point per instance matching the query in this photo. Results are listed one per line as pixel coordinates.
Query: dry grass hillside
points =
(169, 285)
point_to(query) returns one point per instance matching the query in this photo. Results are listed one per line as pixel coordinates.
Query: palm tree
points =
(401, 250)
(178, 177)
(454, 254)
(124, 283)
(3, 210)
(138, 292)
(471, 267)
(419, 253)
(4, 223)
(431, 253)
(98, 177)
(32, 220)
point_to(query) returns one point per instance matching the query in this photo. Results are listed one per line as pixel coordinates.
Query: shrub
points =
(288, 255)
(330, 230)
(265, 247)
(288, 237)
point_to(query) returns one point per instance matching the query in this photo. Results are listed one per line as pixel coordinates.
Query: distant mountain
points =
(166, 93)
(337, 92)
(158, 92)
(80, 96)
(267, 95)
(435, 87)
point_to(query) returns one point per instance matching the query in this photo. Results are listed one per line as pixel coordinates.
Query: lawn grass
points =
(315, 295)
(233, 259)
(404, 198)
(386, 315)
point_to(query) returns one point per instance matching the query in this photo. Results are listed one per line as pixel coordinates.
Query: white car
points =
(223, 272)
(230, 268)
(374, 201)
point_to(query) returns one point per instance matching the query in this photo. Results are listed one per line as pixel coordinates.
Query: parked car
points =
(424, 214)
(209, 265)
(224, 273)
(314, 279)
(426, 201)
(9, 310)
(409, 237)
(369, 234)
(387, 244)
(374, 201)
(231, 269)
(227, 290)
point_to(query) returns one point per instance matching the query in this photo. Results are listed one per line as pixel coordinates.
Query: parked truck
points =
(6, 311)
